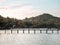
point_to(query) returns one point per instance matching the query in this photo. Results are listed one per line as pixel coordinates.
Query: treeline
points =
(7, 23)
(41, 21)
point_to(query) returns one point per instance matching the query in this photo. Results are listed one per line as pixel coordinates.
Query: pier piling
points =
(28, 31)
(57, 31)
(52, 31)
(23, 31)
(17, 31)
(34, 31)
(40, 31)
(5, 31)
(11, 31)
(46, 31)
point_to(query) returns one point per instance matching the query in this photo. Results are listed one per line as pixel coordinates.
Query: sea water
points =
(29, 39)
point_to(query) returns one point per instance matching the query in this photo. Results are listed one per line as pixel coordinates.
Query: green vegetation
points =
(42, 21)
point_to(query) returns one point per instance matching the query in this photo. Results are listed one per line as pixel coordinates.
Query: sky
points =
(21, 9)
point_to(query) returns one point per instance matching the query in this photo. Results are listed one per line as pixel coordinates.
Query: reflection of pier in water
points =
(34, 31)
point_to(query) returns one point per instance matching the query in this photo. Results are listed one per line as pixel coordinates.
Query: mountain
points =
(44, 16)
(44, 20)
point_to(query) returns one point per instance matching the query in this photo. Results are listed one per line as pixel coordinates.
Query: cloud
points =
(20, 12)
(4, 7)
(13, 6)
(3, 0)
(55, 12)
(24, 10)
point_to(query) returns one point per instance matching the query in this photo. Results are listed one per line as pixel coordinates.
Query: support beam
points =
(57, 31)
(46, 31)
(11, 31)
(23, 31)
(17, 31)
(52, 31)
(28, 31)
(5, 31)
(40, 31)
(34, 31)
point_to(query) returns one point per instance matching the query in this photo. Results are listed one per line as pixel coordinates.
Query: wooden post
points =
(11, 31)
(34, 31)
(57, 31)
(52, 31)
(40, 31)
(23, 31)
(28, 31)
(17, 31)
(46, 31)
(5, 31)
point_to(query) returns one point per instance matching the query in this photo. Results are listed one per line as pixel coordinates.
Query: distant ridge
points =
(44, 20)
(44, 16)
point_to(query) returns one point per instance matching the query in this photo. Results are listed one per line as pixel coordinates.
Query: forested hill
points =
(41, 21)
(43, 17)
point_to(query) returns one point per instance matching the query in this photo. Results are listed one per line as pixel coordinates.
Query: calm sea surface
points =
(29, 39)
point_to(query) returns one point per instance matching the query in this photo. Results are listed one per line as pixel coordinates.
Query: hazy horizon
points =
(21, 9)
